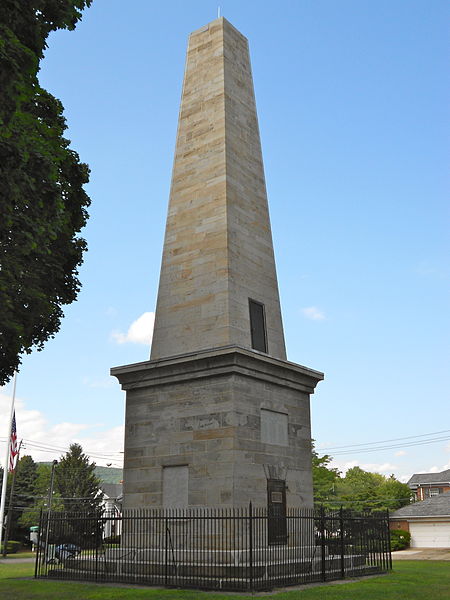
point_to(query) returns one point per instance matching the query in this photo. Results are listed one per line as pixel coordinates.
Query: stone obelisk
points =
(217, 416)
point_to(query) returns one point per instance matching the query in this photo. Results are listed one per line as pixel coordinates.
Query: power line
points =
(42, 447)
(49, 447)
(392, 447)
(65, 449)
(410, 437)
(52, 450)
(88, 455)
(363, 448)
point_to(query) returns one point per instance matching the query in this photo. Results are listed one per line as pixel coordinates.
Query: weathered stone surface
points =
(218, 249)
(197, 403)
(228, 462)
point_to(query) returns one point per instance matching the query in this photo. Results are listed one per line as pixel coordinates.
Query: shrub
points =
(11, 547)
(400, 539)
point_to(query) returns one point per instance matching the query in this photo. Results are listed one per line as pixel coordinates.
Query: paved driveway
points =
(422, 554)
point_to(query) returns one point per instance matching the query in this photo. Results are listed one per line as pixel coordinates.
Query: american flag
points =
(13, 444)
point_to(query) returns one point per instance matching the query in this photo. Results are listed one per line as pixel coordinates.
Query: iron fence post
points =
(341, 527)
(166, 550)
(250, 533)
(97, 521)
(322, 541)
(38, 545)
(388, 532)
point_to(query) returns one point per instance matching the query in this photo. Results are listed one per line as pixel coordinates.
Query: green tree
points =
(392, 494)
(30, 516)
(324, 480)
(76, 481)
(23, 496)
(42, 201)
(358, 490)
(363, 490)
(79, 488)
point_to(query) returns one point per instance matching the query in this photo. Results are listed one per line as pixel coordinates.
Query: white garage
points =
(430, 535)
(427, 521)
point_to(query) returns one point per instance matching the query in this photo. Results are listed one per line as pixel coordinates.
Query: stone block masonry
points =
(218, 416)
(218, 248)
(203, 411)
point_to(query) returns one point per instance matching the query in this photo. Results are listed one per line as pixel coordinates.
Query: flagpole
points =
(5, 470)
(10, 507)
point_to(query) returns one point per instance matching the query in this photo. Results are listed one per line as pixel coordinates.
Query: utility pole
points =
(10, 507)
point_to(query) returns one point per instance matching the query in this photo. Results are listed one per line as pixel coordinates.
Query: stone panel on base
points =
(203, 410)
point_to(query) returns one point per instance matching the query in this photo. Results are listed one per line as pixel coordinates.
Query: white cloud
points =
(433, 470)
(102, 445)
(139, 332)
(401, 453)
(404, 478)
(313, 313)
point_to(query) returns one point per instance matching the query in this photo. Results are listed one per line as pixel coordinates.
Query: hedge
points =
(400, 539)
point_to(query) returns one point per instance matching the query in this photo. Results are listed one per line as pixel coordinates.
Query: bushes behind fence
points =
(11, 547)
(400, 539)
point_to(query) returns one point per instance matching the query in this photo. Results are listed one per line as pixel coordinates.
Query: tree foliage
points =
(392, 494)
(358, 489)
(42, 201)
(76, 488)
(24, 496)
(325, 479)
(25, 484)
(30, 516)
(76, 481)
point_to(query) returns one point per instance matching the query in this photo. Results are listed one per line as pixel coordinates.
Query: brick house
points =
(428, 485)
(428, 521)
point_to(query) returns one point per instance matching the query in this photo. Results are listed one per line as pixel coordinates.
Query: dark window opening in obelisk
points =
(258, 325)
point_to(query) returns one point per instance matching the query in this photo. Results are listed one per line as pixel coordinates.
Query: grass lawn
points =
(410, 580)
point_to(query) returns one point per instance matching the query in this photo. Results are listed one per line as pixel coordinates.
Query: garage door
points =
(430, 535)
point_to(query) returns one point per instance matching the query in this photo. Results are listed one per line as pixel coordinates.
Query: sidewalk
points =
(14, 561)
(422, 554)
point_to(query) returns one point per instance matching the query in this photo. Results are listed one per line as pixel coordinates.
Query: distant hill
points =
(105, 474)
(109, 474)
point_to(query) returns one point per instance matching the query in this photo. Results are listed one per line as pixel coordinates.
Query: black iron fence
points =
(226, 548)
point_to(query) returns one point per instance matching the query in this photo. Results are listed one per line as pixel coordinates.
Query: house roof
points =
(428, 478)
(437, 506)
(112, 490)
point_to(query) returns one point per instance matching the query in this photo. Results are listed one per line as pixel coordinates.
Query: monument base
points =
(226, 571)
(214, 428)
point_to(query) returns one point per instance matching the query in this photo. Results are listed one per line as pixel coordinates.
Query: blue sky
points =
(352, 100)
